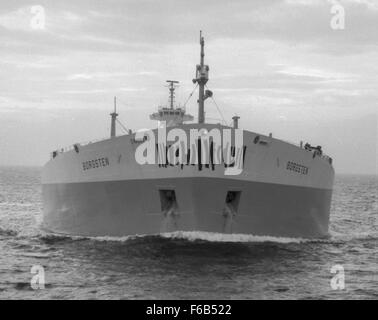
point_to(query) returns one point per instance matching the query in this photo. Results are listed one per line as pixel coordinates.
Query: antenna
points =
(172, 86)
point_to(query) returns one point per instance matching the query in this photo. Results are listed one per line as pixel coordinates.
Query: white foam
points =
(190, 236)
(47, 234)
(216, 237)
(119, 239)
(336, 236)
(200, 235)
(222, 237)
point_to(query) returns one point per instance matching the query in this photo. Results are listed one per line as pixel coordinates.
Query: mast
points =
(172, 87)
(202, 76)
(114, 115)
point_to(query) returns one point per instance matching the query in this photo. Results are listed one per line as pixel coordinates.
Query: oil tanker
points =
(187, 175)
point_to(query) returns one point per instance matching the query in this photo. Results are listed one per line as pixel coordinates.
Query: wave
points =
(362, 236)
(16, 204)
(196, 236)
(8, 232)
(191, 236)
(234, 237)
(50, 237)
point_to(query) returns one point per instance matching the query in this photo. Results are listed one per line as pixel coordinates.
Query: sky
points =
(281, 65)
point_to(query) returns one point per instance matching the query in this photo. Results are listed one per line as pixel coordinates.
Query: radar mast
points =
(202, 76)
(172, 115)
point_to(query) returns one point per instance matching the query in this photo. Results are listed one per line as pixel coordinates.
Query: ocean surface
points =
(191, 265)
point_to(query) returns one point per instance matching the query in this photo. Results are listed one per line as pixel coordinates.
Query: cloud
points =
(317, 73)
(136, 25)
(370, 4)
(103, 91)
(107, 75)
(80, 76)
(19, 19)
(277, 63)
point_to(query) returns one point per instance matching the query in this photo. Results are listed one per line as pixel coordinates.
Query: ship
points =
(264, 186)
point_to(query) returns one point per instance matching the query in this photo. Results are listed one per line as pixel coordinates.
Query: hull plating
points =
(129, 207)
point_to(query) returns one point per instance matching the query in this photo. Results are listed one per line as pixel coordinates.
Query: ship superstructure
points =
(171, 115)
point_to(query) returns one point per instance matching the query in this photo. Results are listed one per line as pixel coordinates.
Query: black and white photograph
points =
(189, 153)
